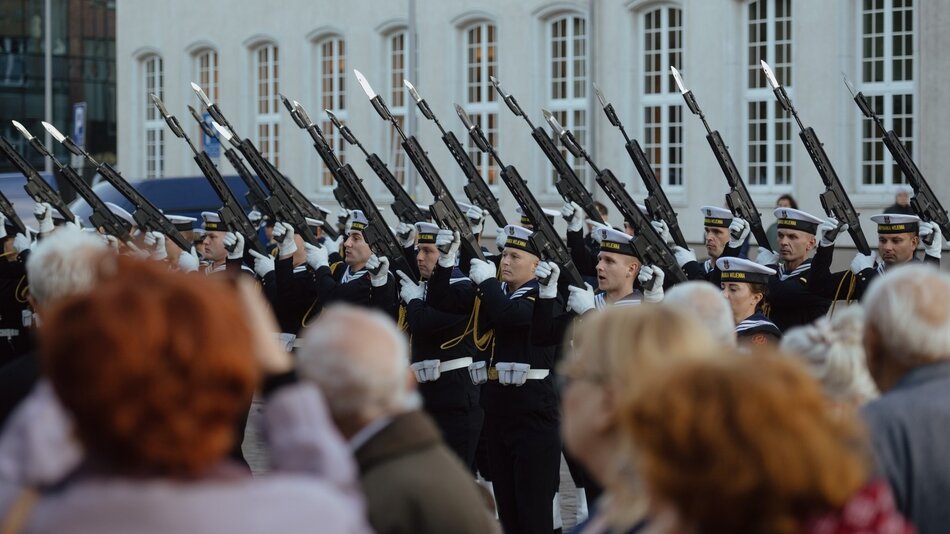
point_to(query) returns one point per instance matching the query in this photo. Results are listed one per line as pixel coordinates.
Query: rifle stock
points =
(12, 218)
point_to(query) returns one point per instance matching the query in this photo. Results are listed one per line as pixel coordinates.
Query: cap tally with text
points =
(793, 219)
(614, 241)
(182, 223)
(715, 216)
(426, 232)
(551, 214)
(519, 238)
(118, 210)
(895, 223)
(357, 221)
(742, 270)
(212, 222)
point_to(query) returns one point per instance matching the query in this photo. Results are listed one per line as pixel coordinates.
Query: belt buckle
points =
(492, 373)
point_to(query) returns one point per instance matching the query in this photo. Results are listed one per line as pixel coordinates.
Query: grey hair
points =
(706, 303)
(64, 263)
(833, 352)
(360, 360)
(910, 309)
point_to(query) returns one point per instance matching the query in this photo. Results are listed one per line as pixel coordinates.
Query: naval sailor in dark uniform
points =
(745, 285)
(723, 235)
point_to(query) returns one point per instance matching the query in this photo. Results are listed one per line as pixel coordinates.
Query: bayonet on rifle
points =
(738, 198)
(834, 200)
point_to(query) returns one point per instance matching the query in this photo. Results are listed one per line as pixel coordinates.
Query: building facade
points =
(549, 54)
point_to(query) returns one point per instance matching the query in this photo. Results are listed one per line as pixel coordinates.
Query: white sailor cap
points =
(124, 215)
(611, 240)
(316, 223)
(896, 223)
(323, 210)
(743, 270)
(198, 235)
(356, 222)
(519, 237)
(551, 214)
(426, 232)
(793, 219)
(181, 222)
(427, 209)
(212, 222)
(716, 216)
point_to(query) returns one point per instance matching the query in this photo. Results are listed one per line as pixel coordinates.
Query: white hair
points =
(360, 360)
(706, 303)
(833, 352)
(910, 309)
(64, 263)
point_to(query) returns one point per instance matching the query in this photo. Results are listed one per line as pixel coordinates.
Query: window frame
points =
(567, 109)
(269, 118)
(337, 100)
(153, 163)
(484, 110)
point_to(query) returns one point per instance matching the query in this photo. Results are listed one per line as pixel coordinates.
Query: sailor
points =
(791, 300)
(14, 289)
(162, 249)
(898, 238)
(442, 345)
(745, 285)
(518, 395)
(223, 249)
(723, 235)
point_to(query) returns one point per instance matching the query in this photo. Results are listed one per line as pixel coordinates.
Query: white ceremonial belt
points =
(457, 363)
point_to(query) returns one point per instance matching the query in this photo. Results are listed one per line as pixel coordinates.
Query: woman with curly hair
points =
(747, 444)
(154, 368)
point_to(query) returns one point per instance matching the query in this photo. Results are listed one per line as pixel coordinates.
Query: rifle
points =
(101, 216)
(738, 198)
(231, 213)
(476, 189)
(445, 210)
(545, 237)
(650, 247)
(255, 196)
(12, 218)
(403, 206)
(36, 186)
(925, 202)
(834, 200)
(287, 203)
(377, 234)
(657, 203)
(568, 184)
(146, 215)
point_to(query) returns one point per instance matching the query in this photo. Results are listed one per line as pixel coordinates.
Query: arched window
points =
(481, 102)
(266, 101)
(769, 127)
(662, 31)
(331, 93)
(567, 80)
(154, 125)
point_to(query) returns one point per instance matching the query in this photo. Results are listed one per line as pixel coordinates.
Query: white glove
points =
(481, 270)
(317, 256)
(500, 240)
(335, 244)
(738, 230)
(44, 216)
(574, 216)
(862, 262)
(342, 215)
(767, 257)
(156, 242)
(683, 255)
(448, 243)
(188, 261)
(234, 244)
(824, 228)
(22, 242)
(406, 233)
(930, 229)
(476, 218)
(664, 230)
(136, 252)
(378, 270)
(410, 290)
(3, 226)
(580, 300)
(111, 241)
(651, 278)
(284, 236)
(547, 274)
(255, 218)
(76, 223)
(262, 264)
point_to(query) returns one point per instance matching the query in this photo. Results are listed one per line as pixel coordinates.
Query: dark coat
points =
(414, 484)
